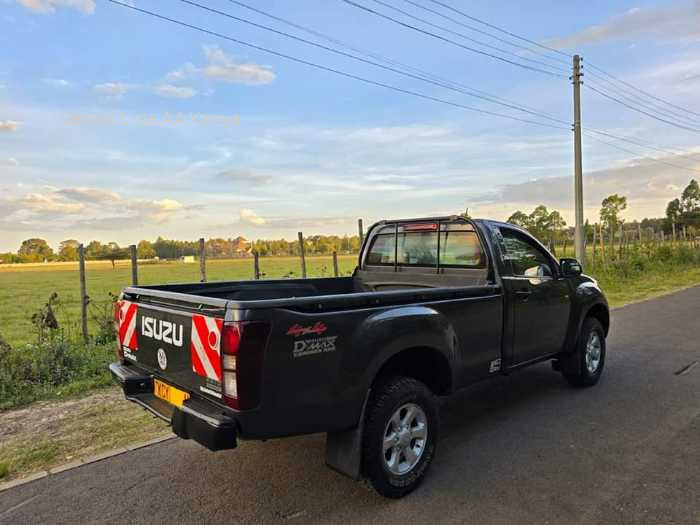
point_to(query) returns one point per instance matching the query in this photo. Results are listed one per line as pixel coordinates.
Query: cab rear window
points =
(416, 245)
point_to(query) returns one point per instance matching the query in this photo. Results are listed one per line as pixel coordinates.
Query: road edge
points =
(35, 476)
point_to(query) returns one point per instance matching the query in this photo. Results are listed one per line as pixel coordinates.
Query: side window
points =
(461, 249)
(525, 257)
(382, 250)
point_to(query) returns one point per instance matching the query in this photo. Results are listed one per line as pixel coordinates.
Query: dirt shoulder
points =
(50, 433)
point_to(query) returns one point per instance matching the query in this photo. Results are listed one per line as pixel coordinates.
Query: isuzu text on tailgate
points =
(434, 305)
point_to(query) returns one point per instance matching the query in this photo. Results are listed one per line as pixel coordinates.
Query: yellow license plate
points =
(172, 395)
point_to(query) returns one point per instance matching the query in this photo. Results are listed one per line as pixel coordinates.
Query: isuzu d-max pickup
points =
(434, 305)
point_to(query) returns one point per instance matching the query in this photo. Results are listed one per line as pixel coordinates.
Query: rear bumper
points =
(197, 419)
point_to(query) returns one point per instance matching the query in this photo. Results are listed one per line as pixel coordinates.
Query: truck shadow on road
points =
(482, 431)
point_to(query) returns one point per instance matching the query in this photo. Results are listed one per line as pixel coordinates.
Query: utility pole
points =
(578, 163)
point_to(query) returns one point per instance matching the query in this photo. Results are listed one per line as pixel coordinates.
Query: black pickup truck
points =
(434, 305)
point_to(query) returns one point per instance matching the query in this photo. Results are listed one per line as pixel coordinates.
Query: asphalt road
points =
(520, 449)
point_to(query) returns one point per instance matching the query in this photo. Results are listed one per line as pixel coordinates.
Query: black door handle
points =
(523, 294)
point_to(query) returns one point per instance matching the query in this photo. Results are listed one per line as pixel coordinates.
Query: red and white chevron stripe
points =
(206, 346)
(127, 325)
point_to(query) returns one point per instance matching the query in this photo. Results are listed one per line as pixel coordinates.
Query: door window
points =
(524, 256)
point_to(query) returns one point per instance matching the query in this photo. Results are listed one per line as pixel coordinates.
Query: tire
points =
(590, 362)
(403, 411)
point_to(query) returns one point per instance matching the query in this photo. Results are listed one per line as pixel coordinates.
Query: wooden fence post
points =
(360, 231)
(594, 243)
(134, 265)
(301, 254)
(256, 265)
(83, 295)
(335, 263)
(202, 261)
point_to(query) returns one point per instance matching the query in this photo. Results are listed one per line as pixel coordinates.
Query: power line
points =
(330, 69)
(462, 35)
(633, 108)
(445, 39)
(504, 31)
(635, 88)
(642, 144)
(370, 62)
(486, 33)
(633, 98)
(642, 156)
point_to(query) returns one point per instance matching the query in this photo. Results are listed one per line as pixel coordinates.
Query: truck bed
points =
(314, 294)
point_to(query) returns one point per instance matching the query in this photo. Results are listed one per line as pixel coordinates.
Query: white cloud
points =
(680, 21)
(56, 82)
(41, 203)
(171, 91)
(10, 161)
(8, 125)
(252, 218)
(220, 66)
(159, 210)
(49, 6)
(90, 195)
(224, 68)
(112, 89)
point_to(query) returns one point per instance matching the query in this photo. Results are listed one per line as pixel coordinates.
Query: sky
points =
(118, 126)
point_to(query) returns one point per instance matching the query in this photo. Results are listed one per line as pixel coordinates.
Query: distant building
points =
(241, 246)
(188, 258)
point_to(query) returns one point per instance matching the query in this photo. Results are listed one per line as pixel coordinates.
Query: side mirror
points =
(570, 267)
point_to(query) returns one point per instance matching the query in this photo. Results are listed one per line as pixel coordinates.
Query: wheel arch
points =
(600, 312)
(428, 365)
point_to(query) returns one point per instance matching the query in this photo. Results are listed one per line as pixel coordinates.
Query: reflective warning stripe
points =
(205, 347)
(127, 325)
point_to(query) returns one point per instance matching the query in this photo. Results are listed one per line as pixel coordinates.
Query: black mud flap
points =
(344, 449)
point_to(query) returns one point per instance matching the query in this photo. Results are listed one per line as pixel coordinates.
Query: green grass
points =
(25, 288)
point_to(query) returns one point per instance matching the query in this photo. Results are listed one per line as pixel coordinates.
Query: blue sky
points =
(311, 150)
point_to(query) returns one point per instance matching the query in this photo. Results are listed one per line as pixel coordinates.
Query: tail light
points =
(242, 349)
(117, 311)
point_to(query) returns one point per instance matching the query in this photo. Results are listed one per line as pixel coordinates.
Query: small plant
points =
(44, 320)
(4, 469)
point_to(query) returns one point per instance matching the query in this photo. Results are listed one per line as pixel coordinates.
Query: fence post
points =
(134, 265)
(335, 263)
(83, 294)
(202, 261)
(256, 265)
(594, 243)
(360, 231)
(301, 254)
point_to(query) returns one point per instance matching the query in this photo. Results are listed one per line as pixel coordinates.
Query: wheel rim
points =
(405, 437)
(594, 352)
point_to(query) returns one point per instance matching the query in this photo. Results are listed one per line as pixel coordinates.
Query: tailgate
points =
(180, 348)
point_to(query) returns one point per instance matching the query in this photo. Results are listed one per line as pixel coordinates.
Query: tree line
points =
(39, 250)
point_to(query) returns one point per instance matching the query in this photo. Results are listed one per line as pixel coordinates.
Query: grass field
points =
(25, 288)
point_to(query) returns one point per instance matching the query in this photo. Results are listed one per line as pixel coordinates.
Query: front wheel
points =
(400, 435)
(590, 353)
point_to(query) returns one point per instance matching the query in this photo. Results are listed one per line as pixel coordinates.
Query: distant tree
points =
(68, 250)
(611, 208)
(145, 250)
(541, 223)
(690, 198)
(519, 219)
(94, 250)
(35, 249)
(113, 252)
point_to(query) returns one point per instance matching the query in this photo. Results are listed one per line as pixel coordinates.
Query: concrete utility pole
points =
(578, 163)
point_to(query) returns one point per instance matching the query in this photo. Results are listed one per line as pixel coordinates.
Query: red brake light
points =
(420, 227)
(242, 352)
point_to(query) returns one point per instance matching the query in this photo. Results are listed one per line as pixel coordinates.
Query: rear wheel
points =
(590, 354)
(400, 435)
